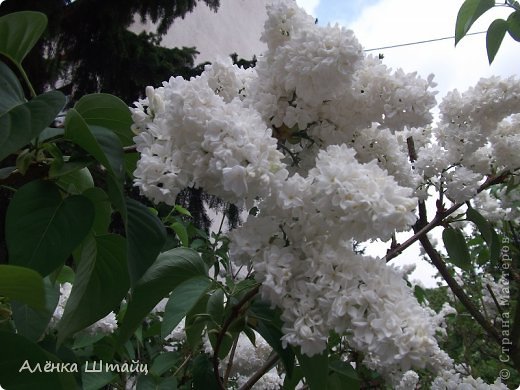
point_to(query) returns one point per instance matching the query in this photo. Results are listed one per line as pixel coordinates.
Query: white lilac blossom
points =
(106, 325)
(452, 380)
(462, 184)
(317, 137)
(408, 381)
(490, 207)
(197, 139)
(468, 120)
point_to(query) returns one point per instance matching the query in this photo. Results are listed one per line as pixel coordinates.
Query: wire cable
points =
(420, 42)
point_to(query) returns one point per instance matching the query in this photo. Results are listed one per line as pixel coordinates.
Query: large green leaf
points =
(32, 323)
(495, 34)
(19, 32)
(487, 231)
(267, 322)
(100, 142)
(181, 301)
(42, 229)
(457, 248)
(11, 92)
(25, 121)
(315, 370)
(513, 25)
(76, 182)
(203, 375)
(100, 285)
(107, 111)
(344, 376)
(23, 285)
(169, 270)
(469, 12)
(101, 203)
(145, 238)
(18, 355)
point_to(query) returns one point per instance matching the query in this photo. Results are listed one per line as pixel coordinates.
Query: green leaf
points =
(181, 301)
(169, 270)
(42, 229)
(513, 25)
(181, 232)
(32, 323)
(482, 224)
(103, 209)
(195, 323)
(203, 376)
(22, 284)
(96, 380)
(20, 31)
(76, 182)
(419, 294)
(457, 248)
(145, 238)
(267, 322)
(100, 285)
(495, 35)
(100, 142)
(315, 370)
(469, 12)
(347, 377)
(148, 382)
(50, 132)
(108, 111)
(11, 92)
(14, 374)
(25, 121)
(164, 362)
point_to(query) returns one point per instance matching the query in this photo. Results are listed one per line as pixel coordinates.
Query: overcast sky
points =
(379, 23)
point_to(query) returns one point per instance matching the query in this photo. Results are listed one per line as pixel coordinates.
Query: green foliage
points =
(42, 229)
(472, 10)
(457, 248)
(23, 285)
(88, 47)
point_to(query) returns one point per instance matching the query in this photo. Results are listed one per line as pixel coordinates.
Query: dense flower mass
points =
(333, 148)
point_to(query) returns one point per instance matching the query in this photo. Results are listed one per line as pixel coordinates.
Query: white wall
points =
(235, 27)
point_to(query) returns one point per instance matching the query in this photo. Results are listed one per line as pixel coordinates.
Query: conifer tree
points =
(88, 48)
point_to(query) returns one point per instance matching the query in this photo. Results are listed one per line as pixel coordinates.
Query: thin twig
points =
(130, 149)
(235, 312)
(440, 216)
(188, 358)
(273, 359)
(494, 298)
(439, 263)
(230, 362)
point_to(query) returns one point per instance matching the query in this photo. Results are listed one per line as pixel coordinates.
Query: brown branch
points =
(273, 359)
(437, 261)
(130, 149)
(235, 312)
(439, 217)
(457, 290)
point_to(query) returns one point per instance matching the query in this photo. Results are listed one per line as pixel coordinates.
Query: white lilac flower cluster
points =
(478, 135)
(316, 136)
(453, 380)
(106, 325)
